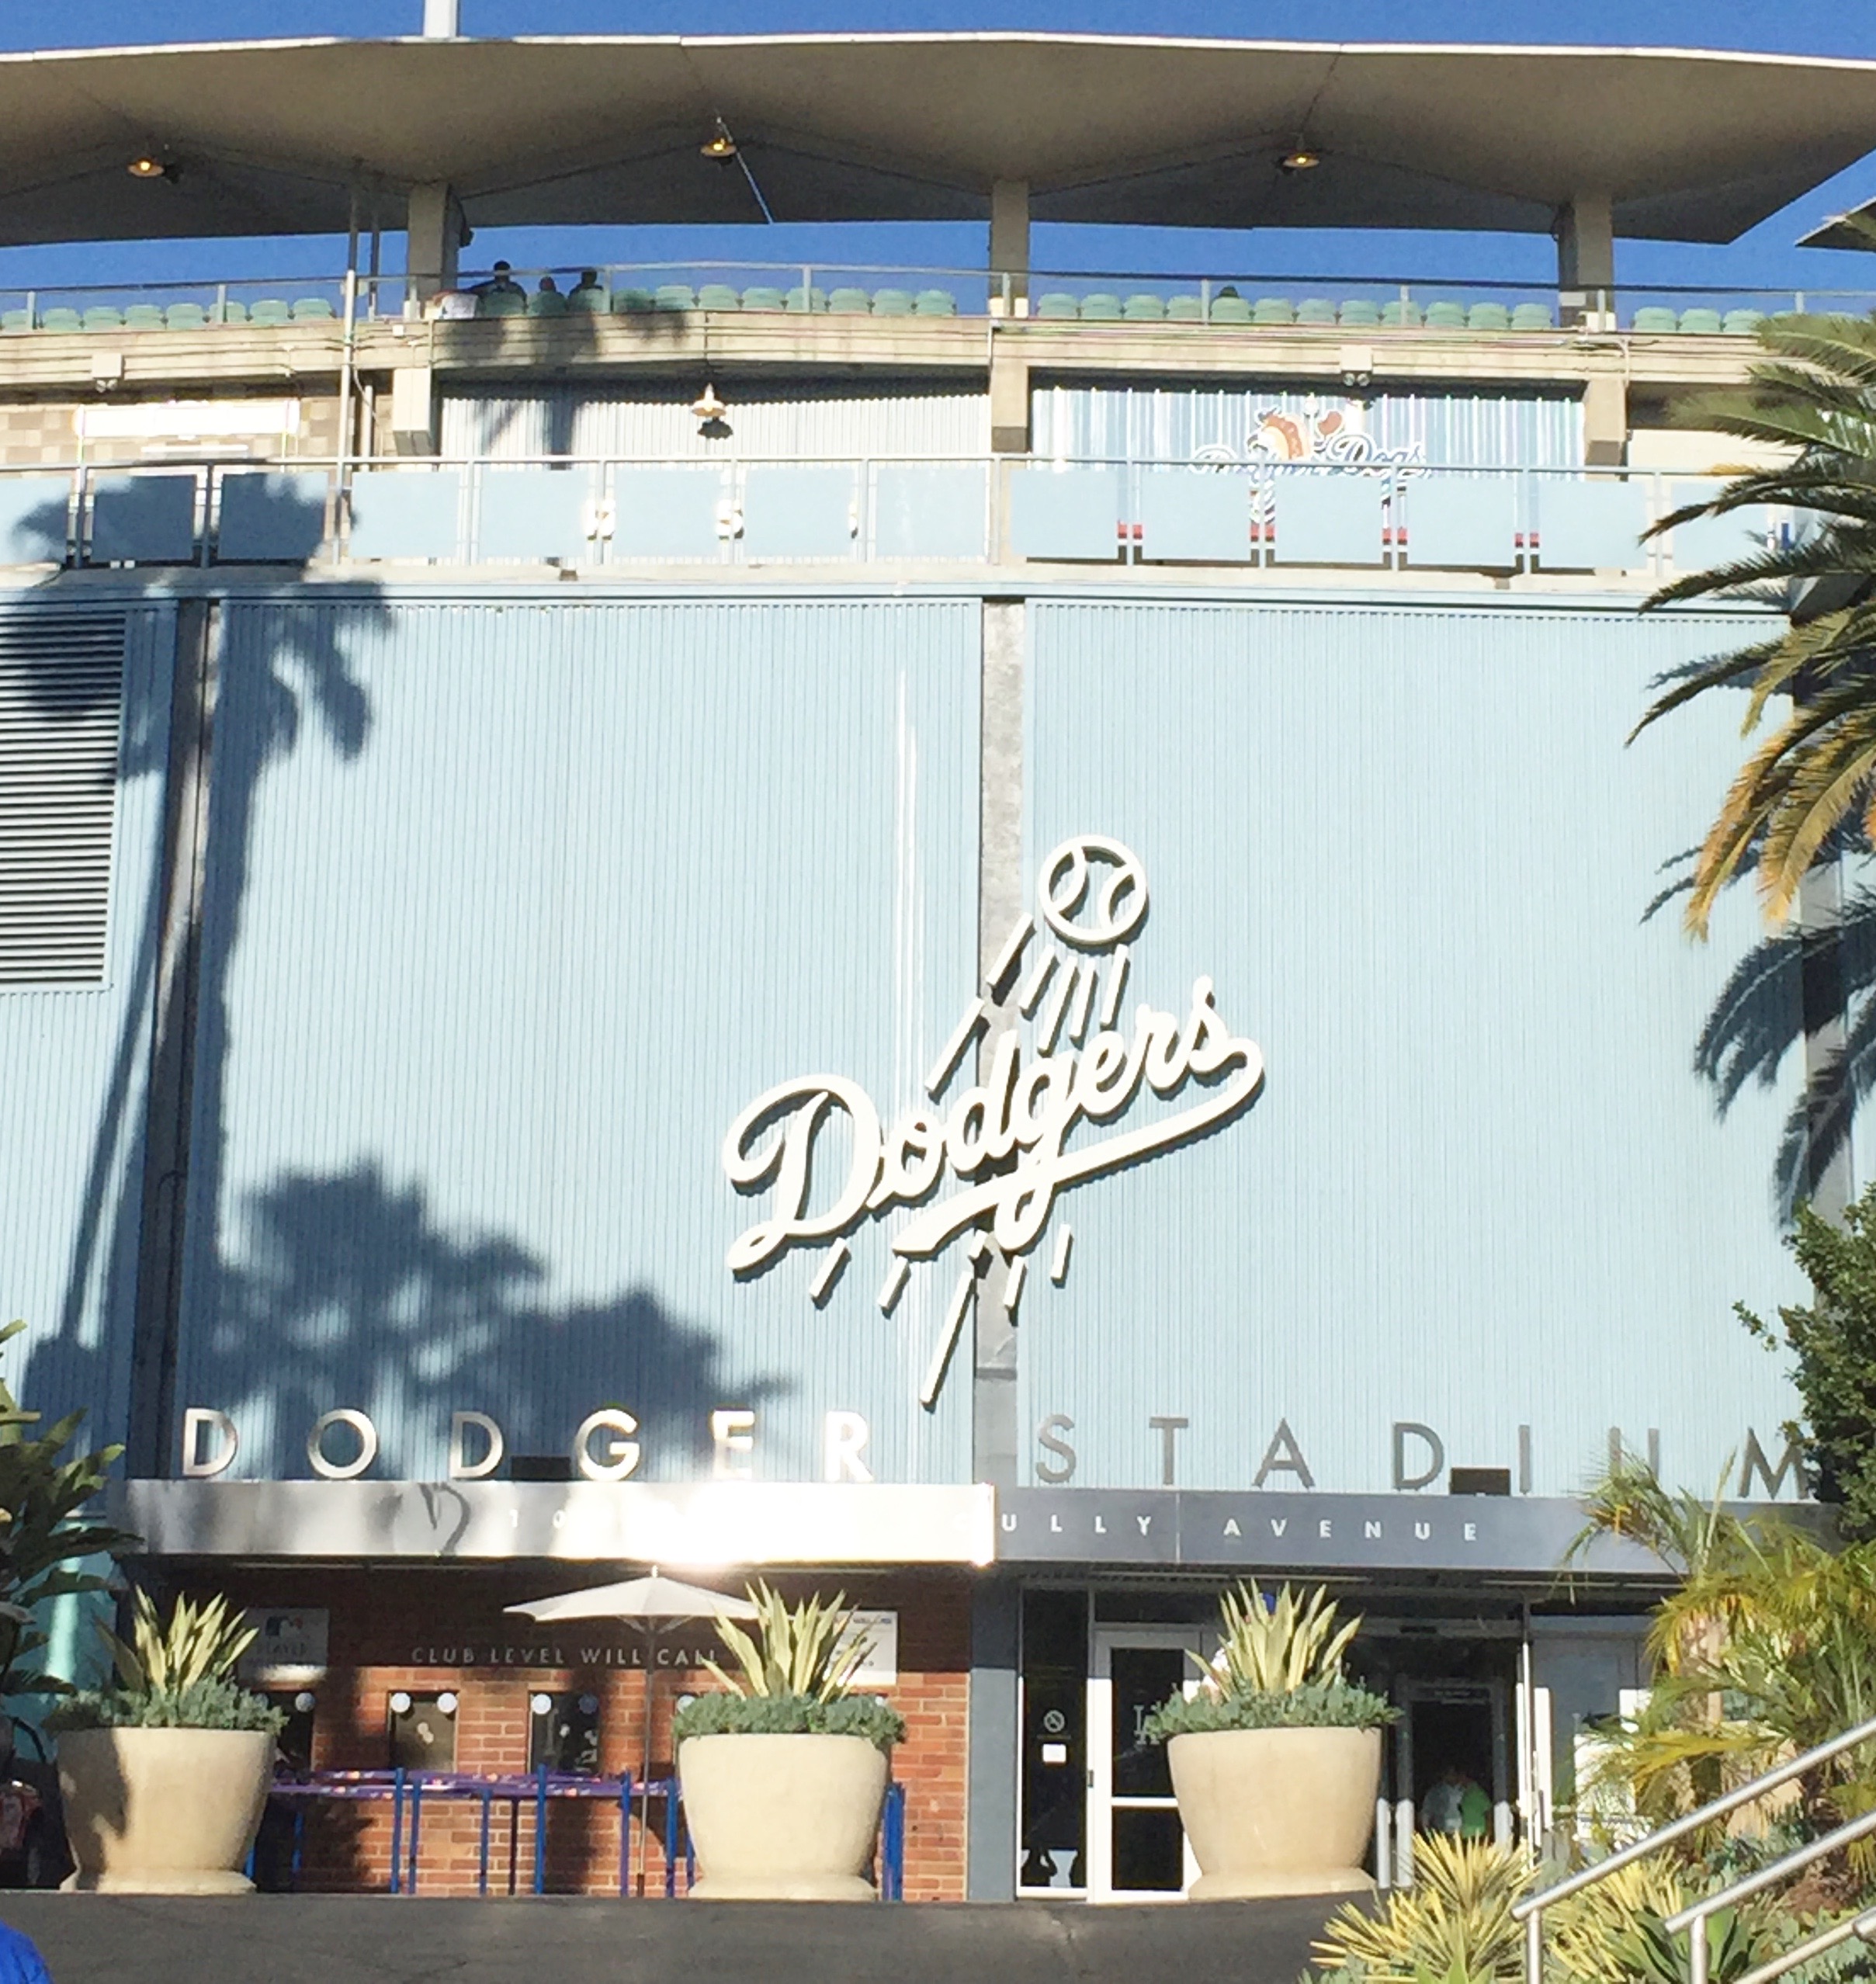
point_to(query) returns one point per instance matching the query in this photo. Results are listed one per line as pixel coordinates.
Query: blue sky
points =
(1765, 258)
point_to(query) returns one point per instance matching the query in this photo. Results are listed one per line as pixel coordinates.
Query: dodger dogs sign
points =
(997, 1159)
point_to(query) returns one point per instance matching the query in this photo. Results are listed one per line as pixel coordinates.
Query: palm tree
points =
(1814, 772)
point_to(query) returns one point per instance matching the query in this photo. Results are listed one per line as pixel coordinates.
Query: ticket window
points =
(422, 1731)
(295, 1742)
(563, 1733)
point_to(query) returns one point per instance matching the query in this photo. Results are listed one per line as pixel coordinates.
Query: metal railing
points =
(1695, 1918)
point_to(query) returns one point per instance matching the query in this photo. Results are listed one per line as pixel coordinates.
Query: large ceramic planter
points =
(782, 1818)
(163, 1812)
(1278, 1812)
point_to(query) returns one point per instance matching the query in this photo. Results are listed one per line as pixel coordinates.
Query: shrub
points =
(174, 1676)
(790, 1715)
(203, 1705)
(1454, 1923)
(1335, 1704)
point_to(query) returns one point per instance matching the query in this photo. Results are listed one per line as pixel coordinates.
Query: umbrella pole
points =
(644, 1781)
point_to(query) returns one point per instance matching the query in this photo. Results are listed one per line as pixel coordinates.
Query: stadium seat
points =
(1315, 310)
(847, 301)
(1184, 310)
(1144, 307)
(230, 312)
(764, 296)
(271, 311)
(1398, 316)
(1273, 310)
(1099, 307)
(806, 301)
(1743, 323)
(718, 295)
(1532, 316)
(1705, 322)
(61, 319)
(186, 317)
(1230, 310)
(1445, 317)
(498, 303)
(1358, 314)
(934, 303)
(1652, 317)
(142, 316)
(1488, 317)
(633, 303)
(312, 310)
(892, 302)
(15, 320)
(673, 297)
(546, 303)
(104, 316)
(1057, 303)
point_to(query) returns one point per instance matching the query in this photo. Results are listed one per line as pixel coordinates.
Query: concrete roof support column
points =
(436, 232)
(1009, 247)
(1586, 253)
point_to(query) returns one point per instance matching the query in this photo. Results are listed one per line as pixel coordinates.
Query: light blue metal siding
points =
(75, 1063)
(505, 949)
(1180, 423)
(1483, 1186)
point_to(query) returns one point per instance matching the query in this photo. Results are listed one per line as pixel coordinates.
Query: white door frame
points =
(1103, 1642)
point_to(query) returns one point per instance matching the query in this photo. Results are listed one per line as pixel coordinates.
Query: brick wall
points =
(426, 1631)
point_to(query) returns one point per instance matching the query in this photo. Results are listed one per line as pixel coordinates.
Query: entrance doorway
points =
(1136, 1847)
(1452, 1759)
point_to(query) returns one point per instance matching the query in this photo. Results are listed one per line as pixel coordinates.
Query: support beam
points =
(1586, 258)
(1605, 420)
(991, 1829)
(442, 20)
(1009, 398)
(1010, 248)
(436, 233)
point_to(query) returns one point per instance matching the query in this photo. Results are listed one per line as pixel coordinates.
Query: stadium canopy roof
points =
(271, 138)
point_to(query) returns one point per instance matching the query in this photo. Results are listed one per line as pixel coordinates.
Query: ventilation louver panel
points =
(61, 700)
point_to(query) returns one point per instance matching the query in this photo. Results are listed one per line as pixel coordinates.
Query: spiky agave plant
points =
(1454, 1922)
(200, 1643)
(806, 1649)
(1276, 1648)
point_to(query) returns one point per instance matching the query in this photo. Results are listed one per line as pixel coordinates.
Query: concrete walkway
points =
(337, 1939)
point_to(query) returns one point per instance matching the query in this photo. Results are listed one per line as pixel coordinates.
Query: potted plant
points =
(785, 1773)
(165, 1773)
(1275, 1756)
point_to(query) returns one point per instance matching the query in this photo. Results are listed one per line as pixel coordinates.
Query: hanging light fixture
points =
(719, 144)
(146, 165)
(1301, 157)
(707, 408)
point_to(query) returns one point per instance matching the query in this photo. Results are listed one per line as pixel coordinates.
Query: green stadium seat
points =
(497, 302)
(1358, 314)
(1652, 317)
(547, 303)
(892, 302)
(1273, 310)
(718, 295)
(1315, 310)
(1184, 310)
(1445, 317)
(1057, 303)
(1099, 307)
(14, 320)
(673, 297)
(1230, 310)
(934, 303)
(312, 310)
(230, 312)
(142, 316)
(764, 296)
(104, 316)
(633, 303)
(186, 317)
(271, 311)
(1488, 317)
(1704, 323)
(61, 319)
(1400, 316)
(1743, 323)
(1532, 316)
(806, 301)
(847, 301)
(1144, 307)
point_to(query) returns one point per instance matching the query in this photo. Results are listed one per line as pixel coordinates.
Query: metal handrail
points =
(1530, 1911)
(1863, 1925)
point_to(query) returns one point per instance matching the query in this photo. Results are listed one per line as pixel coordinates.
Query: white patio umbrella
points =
(648, 1603)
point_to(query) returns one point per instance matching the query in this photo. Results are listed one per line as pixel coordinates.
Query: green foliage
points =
(1834, 1339)
(198, 1705)
(1736, 1942)
(1335, 1704)
(800, 1652)
(1455, 1923)
(44, 1531)
(201, 1643)
(790, 1715)
(1589, 1939)
(1815, 394)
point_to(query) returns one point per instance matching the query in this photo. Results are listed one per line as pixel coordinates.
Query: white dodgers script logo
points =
(997, 1159)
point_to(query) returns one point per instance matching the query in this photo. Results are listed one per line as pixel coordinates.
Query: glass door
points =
(1136, 1848)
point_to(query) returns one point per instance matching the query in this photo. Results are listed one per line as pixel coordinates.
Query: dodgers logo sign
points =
(1065, 1067)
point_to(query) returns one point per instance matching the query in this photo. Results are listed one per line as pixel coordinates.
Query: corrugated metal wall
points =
(1179, 423)
(75, 1063)
(1484, 1185)
(496, 949)
(656, 423)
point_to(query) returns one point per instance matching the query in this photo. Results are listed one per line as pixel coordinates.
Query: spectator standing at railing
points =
(588, 284)
(549, 287)
(20, 1962)
(502, 283)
